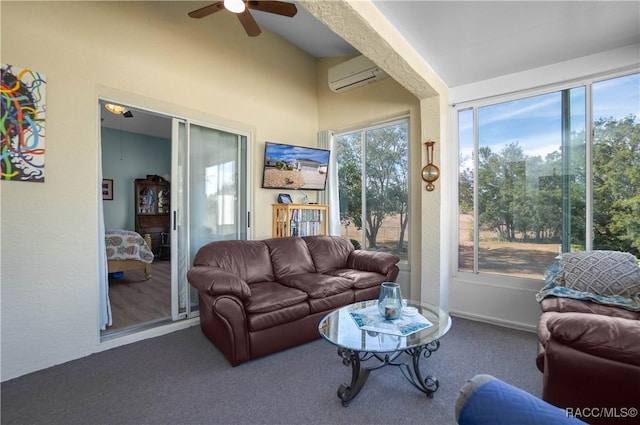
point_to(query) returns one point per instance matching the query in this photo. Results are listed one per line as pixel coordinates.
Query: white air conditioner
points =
(354, 73)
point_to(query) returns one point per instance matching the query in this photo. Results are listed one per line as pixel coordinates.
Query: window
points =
(532, 184)
(373, 170)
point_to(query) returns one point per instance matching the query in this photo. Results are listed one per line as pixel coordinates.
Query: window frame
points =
(362, 129)
(501, 280)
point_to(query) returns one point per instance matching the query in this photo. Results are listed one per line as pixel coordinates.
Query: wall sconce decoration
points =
(430, 172)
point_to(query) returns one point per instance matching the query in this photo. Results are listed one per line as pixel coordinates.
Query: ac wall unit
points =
(354, 73)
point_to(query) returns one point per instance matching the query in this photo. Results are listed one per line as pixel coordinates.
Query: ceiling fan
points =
(241, 9)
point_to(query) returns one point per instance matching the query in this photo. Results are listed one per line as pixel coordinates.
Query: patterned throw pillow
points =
(607, 273)
(605, 277)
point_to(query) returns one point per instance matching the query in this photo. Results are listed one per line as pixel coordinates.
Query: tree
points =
(521, 196)
(465, 191)
(349, 159)
(385, 184)
(616, 185)
(503, 204)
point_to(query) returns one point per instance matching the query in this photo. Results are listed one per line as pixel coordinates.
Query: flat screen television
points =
(294, 167)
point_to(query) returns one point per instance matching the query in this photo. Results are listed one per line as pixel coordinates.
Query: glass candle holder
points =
(390, 301)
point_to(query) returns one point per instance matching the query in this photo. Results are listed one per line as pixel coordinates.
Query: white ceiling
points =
(470, 41)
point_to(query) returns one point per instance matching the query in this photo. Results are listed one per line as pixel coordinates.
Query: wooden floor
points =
(136, 301)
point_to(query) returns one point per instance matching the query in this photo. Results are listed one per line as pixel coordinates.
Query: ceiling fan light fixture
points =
(235, 6)
(114, 109)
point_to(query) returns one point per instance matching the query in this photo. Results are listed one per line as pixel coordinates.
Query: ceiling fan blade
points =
(207, 10)
(250, 25)
(277, 7)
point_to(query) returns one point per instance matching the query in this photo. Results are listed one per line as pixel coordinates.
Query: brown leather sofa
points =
(260, 297)
(590, 357)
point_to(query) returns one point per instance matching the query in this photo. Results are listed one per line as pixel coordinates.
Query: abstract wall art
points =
(22, 124)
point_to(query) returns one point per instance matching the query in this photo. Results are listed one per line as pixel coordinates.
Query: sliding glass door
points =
(211, 195)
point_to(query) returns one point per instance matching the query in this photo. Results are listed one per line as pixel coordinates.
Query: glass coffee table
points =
(366, 350)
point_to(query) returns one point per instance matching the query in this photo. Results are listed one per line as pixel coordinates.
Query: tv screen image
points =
(294, 167)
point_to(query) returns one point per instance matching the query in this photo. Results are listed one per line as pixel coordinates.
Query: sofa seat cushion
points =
(360, 279)
(317, 285)
(331, 302)
(271, 296)
(261, 321)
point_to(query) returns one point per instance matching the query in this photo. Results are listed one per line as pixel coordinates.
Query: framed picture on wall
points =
(107, 189)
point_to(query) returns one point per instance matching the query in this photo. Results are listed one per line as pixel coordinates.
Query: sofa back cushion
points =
(289, 256)
(612, 338)
(329, 252)
(249, 260)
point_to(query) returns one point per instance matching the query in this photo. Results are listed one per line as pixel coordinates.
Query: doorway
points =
(135, 147)
(205, 169)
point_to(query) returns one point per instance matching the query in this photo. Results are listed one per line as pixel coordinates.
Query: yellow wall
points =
(149, 55)
(152, 56)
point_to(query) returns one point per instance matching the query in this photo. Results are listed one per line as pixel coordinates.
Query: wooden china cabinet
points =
(152, 209)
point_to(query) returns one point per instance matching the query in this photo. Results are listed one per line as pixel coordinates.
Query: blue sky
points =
(535, 122)
(289, 153)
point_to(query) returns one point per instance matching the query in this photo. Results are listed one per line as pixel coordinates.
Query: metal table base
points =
(411, 371)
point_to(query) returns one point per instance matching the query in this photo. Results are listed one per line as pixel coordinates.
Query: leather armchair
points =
(590, 357)
(589, 333)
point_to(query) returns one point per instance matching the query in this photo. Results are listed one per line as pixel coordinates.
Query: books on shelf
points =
(299, 220)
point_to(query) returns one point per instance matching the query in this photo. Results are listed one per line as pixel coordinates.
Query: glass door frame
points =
(180, 201)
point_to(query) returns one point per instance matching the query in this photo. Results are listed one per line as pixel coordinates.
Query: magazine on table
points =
(369, 319)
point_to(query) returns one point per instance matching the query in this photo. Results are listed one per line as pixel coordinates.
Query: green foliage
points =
(350, 175)
(616, 192)
(386, 186)
(521, 197)
(465, 191)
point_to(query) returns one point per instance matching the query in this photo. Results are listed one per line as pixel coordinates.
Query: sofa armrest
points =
(485, 400)
(613, 338)
(372, 261)
(215, 281)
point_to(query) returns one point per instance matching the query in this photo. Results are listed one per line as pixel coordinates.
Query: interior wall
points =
(128, 156)
(149, 55)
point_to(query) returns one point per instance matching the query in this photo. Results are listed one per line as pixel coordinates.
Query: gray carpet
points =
(181, 378)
